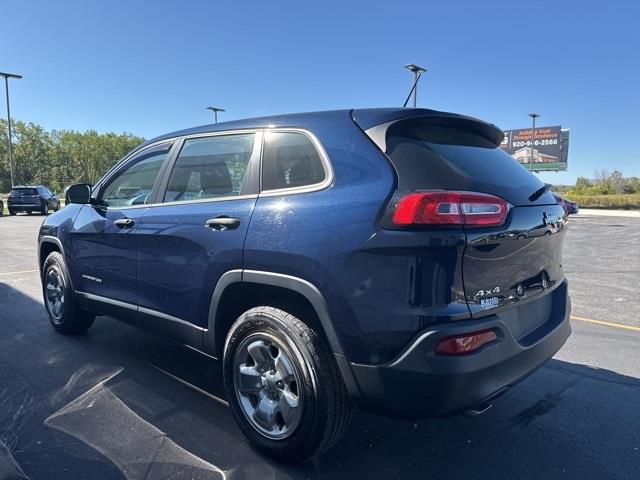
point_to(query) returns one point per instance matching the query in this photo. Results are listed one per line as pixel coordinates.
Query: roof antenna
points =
(417, 73)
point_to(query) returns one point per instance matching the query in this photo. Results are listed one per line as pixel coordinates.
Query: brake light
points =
(450, 208)
(467, 343)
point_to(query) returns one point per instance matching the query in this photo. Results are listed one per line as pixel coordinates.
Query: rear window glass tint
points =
(290, 160)
(24, 191)
(428, 156)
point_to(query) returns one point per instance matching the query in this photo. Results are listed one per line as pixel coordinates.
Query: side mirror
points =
(78, 193)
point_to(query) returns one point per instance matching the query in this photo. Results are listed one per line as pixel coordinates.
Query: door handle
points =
(124, 223)
(222, 223)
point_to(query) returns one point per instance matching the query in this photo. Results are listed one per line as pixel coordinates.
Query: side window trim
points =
(250, 185)
(324, 158)
(106, 181)
(165, 172)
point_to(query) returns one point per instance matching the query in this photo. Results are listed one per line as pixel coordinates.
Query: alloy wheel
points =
(54, 294)
(267, 385)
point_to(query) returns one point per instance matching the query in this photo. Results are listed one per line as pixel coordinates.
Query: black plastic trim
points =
(228, 278)
(152, 321)
(422, 384)
(308, 290)
(48, 239)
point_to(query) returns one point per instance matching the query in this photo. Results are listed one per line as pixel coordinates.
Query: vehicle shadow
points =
(120, 403)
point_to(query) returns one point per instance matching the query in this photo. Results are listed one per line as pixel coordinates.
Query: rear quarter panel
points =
(310, 235)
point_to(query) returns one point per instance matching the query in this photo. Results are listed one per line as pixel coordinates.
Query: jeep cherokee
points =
(393, 259)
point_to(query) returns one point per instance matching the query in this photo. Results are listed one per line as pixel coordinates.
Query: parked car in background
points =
(380, 258)
(569, 206)
(32, 199)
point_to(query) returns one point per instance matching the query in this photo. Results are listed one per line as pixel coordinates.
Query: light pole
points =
(533, 137)
(417, 72)
(215, 111)
(7, 76)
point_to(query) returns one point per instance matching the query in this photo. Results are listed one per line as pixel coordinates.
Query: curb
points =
(593, 212)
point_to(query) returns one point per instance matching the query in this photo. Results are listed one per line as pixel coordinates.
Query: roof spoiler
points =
(378, 133)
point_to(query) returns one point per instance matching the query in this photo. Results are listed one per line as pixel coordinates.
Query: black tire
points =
(12, 212)
(325, 405)
(68, 318)
(45, 209)
(28, 212)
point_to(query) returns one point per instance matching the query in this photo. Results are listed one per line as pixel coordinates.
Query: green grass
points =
(626, 201)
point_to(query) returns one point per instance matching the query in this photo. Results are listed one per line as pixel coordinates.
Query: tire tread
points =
(75, 320)
(330, 384)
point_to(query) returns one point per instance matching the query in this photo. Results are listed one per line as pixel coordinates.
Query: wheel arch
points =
(294, 287)
(46, 245)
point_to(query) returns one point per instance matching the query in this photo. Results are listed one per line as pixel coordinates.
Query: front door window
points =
(132, 186)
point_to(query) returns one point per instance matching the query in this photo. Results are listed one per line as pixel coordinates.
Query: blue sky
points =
(152, 67)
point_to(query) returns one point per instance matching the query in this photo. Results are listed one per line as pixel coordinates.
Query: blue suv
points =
(392, 259)
(32, 199)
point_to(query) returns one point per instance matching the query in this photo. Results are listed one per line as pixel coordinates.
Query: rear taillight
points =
(467, 343)
(449, 208)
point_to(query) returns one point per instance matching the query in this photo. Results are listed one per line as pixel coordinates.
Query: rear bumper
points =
(22, 207)
(422, 384)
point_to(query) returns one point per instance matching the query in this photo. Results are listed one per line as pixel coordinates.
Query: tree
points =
(617, 182)
(582, 183)
(60, 157)
(633, 184)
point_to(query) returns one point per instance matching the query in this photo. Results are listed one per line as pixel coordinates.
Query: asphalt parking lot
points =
(120, 403)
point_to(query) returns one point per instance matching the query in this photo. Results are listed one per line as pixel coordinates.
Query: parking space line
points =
(17, 273)
(606, 324)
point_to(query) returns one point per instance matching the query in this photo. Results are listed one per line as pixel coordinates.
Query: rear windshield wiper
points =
(538, 193)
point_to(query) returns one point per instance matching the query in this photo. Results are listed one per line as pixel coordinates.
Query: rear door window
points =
(290, 159)
(210, 167)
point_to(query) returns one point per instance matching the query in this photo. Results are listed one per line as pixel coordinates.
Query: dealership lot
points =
(120, 403)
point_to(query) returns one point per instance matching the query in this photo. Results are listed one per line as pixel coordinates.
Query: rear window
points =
(21, 192)
(290, 160)
(428, 156)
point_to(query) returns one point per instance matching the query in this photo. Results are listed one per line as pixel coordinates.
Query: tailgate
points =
(515, 263)
(505, 265)
(25, 200)
(24, 196)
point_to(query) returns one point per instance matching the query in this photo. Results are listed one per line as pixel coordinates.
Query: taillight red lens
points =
(450, 208)
(467, 343)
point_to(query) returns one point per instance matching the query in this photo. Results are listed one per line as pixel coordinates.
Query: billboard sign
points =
(549, 147)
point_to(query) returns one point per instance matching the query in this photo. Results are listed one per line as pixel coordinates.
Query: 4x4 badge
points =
(486, 293)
